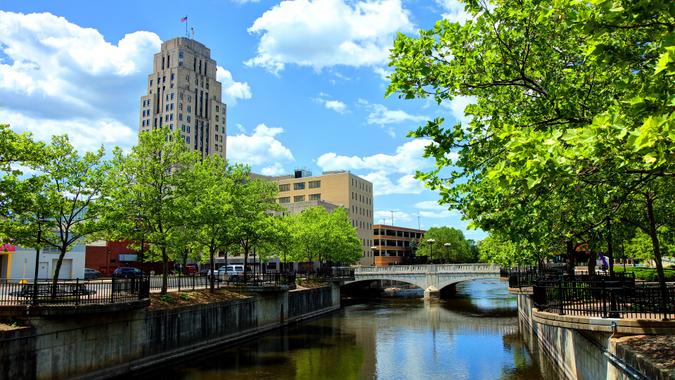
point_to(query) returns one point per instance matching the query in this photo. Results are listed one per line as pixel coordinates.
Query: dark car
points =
(127, 272)
(91, 274)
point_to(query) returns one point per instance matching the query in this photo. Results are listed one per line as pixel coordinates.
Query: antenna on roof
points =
(193, 32)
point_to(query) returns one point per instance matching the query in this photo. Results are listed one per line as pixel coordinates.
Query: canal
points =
(474, 335)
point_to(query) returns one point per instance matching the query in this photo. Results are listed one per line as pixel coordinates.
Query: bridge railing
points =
(428, 268)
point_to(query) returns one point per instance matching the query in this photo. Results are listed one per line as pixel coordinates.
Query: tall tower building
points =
(183, 94)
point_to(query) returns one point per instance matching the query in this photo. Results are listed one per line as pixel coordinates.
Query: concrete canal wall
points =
(586, 348)
(95, 346)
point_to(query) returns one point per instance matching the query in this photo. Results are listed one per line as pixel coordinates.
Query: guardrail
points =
(604, 297)
(74, 292)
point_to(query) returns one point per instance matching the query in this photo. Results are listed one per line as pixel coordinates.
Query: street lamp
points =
(431, 249)
(447, 248)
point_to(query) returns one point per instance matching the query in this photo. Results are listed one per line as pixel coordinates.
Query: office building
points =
(394, 245)
(336, 188)
(183, 94)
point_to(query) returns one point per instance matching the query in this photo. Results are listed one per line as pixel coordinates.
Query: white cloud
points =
(381, 167)
(84, 134)
(383, 73)
(385, 215)
(335, 105)
(431, 209)
(457, 106)
(453, 11)
(57, 77)
(325, 33)
(273, 170)
(232, 90)
(259, 148)
(381, 115)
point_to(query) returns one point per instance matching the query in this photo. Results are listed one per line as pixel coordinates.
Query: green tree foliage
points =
(322, 236)
(458, 249)
(572, 121)
(146, 192)
(253, 204)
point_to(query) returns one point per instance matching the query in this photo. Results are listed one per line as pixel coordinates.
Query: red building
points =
(106, 256)
(394, 245)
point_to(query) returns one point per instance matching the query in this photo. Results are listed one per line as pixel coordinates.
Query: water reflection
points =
(473, 336)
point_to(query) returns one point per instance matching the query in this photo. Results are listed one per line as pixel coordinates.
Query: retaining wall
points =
(97, 346)
(586, 353)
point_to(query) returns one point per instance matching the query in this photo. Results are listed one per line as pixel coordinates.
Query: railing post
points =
(179, 281)
(77, 291)
(560, 295)
(112, 290)
(603, 295)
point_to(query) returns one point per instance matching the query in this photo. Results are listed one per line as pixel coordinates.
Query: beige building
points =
(339, 188)
(184, 95)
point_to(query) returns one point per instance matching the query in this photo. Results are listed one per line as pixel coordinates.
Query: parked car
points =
(230, 271)
(91, 274)
(127, 272)
(190, 269)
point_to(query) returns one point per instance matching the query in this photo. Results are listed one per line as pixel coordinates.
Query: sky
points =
(304, 82)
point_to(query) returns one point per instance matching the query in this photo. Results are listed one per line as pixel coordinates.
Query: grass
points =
(646, 274)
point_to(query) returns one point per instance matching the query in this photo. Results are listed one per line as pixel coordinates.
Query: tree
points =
(254, 202)
(149, 185)
(571, 118)
(72, 188)
(210, 204)
(458, 251)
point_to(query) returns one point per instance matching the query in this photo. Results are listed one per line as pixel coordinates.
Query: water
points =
(472, 336)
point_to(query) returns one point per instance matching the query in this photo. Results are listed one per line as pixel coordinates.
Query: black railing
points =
(604, 297)
(330, 274)
(74, 292)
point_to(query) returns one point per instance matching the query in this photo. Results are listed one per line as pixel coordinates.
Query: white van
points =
(231, 270)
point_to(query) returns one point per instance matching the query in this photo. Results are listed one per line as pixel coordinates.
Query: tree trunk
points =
(657, 251)
(610, 249)
(213, 271)
(57, 270)
(591, 262)
(165, 270)
(569, 247)
(245, 262)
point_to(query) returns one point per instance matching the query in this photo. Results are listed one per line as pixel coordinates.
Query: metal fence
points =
(74, 292)
(189, 283)
(604, 297)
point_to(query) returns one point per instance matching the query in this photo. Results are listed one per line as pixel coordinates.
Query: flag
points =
(183, 19)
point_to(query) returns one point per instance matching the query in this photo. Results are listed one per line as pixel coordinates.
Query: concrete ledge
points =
(524, 290)
(610, 325)
(55, 310)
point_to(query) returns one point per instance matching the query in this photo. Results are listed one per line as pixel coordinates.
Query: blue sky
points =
(304, 82)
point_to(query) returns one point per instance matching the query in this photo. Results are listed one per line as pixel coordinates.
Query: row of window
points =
(299, 185)
(392, 243)
(361, 211)
(361, 198)
(361, 224)
(402, 234)
(362, 185)
(300, 198)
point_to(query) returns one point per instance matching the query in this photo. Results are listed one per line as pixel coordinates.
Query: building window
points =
(299, 186)
(285, 200)
(314, 197)
(284, 187)
(314, 184)
(299, 198)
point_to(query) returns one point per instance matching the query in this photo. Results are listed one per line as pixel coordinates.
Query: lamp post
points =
(447, 249)
(431, 249)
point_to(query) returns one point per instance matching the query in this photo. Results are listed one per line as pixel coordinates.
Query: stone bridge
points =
(432, 278)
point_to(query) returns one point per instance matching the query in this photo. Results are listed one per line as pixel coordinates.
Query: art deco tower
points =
(183, 94)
